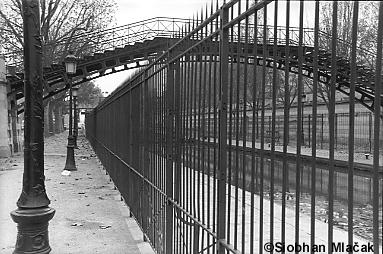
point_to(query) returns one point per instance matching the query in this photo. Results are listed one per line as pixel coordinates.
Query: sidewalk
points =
(90, 216)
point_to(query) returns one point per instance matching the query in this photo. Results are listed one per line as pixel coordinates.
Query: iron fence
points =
(172, 140)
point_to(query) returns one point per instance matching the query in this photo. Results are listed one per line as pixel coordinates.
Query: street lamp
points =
(104, 95)
(70, 66)
(33, 213)
(75, 131)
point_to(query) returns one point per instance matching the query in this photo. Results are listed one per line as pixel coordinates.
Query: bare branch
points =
(17, 35)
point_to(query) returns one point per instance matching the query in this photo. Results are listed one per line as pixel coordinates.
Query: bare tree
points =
(367, 31)
(292, 89)
(62, 21)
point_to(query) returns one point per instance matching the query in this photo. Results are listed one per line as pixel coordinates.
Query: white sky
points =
(130, 11)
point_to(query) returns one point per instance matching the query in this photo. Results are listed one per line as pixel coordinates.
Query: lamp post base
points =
(32, 227)
(70, 164)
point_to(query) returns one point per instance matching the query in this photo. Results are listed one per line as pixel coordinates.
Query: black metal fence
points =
(178, 158)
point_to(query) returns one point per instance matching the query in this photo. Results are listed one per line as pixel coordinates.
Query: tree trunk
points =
(50, 119)
(58, 128)
(46, 119)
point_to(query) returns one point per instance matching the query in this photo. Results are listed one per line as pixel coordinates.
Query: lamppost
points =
(70, 65)
(33, 212)
(75, 131)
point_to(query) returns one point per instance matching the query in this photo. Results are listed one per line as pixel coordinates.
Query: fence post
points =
(222, 157)
(146, 159)
(178, 138)
(169, 156)
(196, 233)
(130, 151)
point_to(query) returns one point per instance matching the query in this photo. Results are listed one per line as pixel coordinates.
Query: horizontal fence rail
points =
(214, 154)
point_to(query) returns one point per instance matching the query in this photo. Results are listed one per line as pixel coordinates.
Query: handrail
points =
(121, 36)
(109, 39)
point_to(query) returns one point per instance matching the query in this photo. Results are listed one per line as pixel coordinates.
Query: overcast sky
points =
(130, 11)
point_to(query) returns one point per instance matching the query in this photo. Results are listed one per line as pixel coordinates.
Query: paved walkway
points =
(90, 217)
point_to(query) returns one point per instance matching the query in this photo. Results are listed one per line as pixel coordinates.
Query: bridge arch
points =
(140, 53)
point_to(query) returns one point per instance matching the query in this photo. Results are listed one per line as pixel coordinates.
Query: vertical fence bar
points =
(274, 88)
(286, 126)
(332, 127)
(377, 119)
(263, 104)
(244, 134)
(254, 165)
(222, 142)
(212, 116)
(170, 155)
(191, 143)
(230, 166)
(178, 150)
(314, 122)
(300, 141)
(187, 121)
(351, 145)
(146, 159)
(237, 130)
(130, 150)
(216, 89)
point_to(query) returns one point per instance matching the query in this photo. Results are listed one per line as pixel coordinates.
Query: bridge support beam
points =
(33, 212)
(4, 144)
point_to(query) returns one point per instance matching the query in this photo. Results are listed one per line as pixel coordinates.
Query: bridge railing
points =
(99, 41)
(88, 43)
(364, 56)
(172, 139)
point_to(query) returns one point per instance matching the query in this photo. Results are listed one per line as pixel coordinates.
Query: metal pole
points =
(222, 168)
(75, 131)
(377, 111)
(33, 212)
(70, 164)
(170, 156)
(303, 119)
